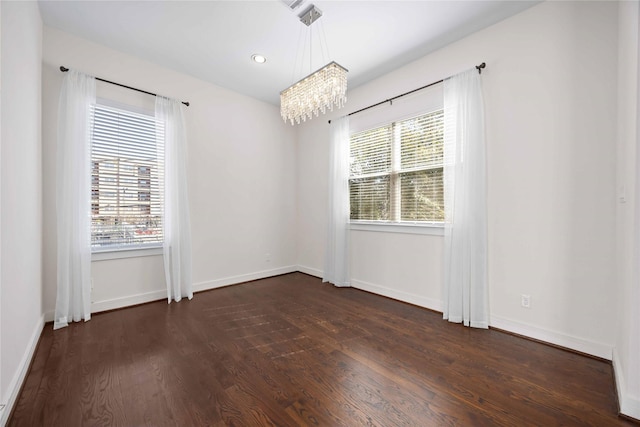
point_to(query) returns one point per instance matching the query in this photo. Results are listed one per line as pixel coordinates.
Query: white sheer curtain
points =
(465, 233)
(73, 199)
(336, 262)
(177, 229)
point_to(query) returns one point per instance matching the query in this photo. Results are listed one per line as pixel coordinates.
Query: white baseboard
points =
(127, 301)
(574, 343)
(21, 373)
(621, 387)
(121, 302)
(629, 405)
(418, 300)
(217, 283)
(112, 304)
(310, 271)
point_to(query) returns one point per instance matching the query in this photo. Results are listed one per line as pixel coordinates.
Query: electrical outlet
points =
(526, 301)
(267, 257)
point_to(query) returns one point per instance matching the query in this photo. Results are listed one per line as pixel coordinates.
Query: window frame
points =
(435, 228)
(123, 250)
(422, 228)
(122, 253)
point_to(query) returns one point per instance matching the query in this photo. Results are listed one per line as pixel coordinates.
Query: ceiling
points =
(214, 40)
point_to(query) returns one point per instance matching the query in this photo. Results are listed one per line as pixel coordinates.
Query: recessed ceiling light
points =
(258, 58)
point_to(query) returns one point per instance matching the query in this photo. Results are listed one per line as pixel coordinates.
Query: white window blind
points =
(396, 171)
(421, 154)
(370, 169)
(127, 159)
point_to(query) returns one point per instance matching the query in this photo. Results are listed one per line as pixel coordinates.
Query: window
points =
(396, 171)
(126, 180)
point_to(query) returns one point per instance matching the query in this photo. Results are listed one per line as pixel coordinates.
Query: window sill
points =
(105, 255)
(431, 229)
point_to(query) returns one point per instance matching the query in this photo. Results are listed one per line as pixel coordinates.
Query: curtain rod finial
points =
(63, 69)
(480, 67)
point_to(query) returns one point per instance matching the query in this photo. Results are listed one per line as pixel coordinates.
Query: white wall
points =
(550, 98)
(627, 351)
(21, 195)
(241, 176)
(2, 401)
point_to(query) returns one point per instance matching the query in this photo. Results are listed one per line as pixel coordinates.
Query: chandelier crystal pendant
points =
(320, 91)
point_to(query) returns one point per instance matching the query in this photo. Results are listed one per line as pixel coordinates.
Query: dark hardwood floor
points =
(291, 351)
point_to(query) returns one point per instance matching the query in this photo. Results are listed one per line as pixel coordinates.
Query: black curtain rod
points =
(65, 69)
(478, 67)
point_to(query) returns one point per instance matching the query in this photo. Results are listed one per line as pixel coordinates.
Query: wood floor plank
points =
(291, 351)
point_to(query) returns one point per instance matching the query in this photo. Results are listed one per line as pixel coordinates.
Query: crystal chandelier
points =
(314, 94)
(323, 89)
